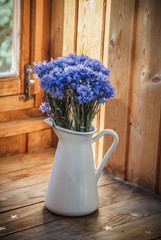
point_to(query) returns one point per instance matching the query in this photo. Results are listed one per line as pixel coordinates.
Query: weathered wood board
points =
(130, 212)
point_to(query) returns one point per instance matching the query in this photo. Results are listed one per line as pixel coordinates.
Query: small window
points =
(9, 37)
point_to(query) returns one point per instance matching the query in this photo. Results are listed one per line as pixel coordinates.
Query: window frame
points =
(21, 50)
(15, 41)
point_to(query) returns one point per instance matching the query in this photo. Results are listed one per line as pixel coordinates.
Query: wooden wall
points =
(126, 36)
(134, 59)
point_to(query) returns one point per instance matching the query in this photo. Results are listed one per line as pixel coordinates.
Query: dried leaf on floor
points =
(135, 215)
(64, 223)
(2, 199)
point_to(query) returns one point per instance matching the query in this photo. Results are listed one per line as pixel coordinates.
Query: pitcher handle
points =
(109, 152)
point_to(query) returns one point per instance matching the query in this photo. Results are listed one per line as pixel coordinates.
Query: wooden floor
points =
(130, 212)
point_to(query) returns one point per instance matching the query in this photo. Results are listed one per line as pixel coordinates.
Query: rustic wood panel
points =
(25, 39)
(40, 140)
(90, 20)
(35, 175)
(122, 206)
(64, 20)
(10, 103)
(9, 86)
(78, 226)
(45, 42)
(17, 127)
(12, 145)
(57, 25)
(159, 177)
(25, 216)
(37, 11)
(70, 26)
(128, 230)
(118, 57)
(88, 230)
(20, 114)
(146, 97)
(21, 162)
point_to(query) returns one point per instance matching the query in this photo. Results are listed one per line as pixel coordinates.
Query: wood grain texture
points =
(57, 25)
(12, 145)
(10, 86)
(70, 26)
(117, 56)
(37, 37)
(128, 231)
(17, 127)
(40, 140)
(56, 227)
(25, 39)
(146, 97)
(89, 36)
(10, 103)
(159, 177)
(45, 42)
(25, 216)
(119, 202)
(21, 162)
(20, 114)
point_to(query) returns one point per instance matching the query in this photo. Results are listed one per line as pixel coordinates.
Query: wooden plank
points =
(146, 97)
(25, 39)
(20, 114)
(40, 140)
(45, 42)
(57, 22)
(117, 56)
(118, 216)
(146, 228)
(70, 26)
(46, 29)
(25, 218)
(21, 162)
(26, 177)
(105, 179)
(40, 42)
(37, 36)
(29, 195)
(89, 36)
(159, 177)
(12, 145)
(12, 102)
(17, 127)
(9, 86)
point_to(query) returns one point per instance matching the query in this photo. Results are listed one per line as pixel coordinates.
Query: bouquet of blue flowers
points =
(74, 87)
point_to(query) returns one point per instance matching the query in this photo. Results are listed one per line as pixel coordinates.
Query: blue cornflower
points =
(86, 77)
(45, 107)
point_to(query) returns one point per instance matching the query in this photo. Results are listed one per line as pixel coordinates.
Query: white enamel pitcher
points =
(72, 188)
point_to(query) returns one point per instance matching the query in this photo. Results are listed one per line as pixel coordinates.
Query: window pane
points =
(6, 23)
